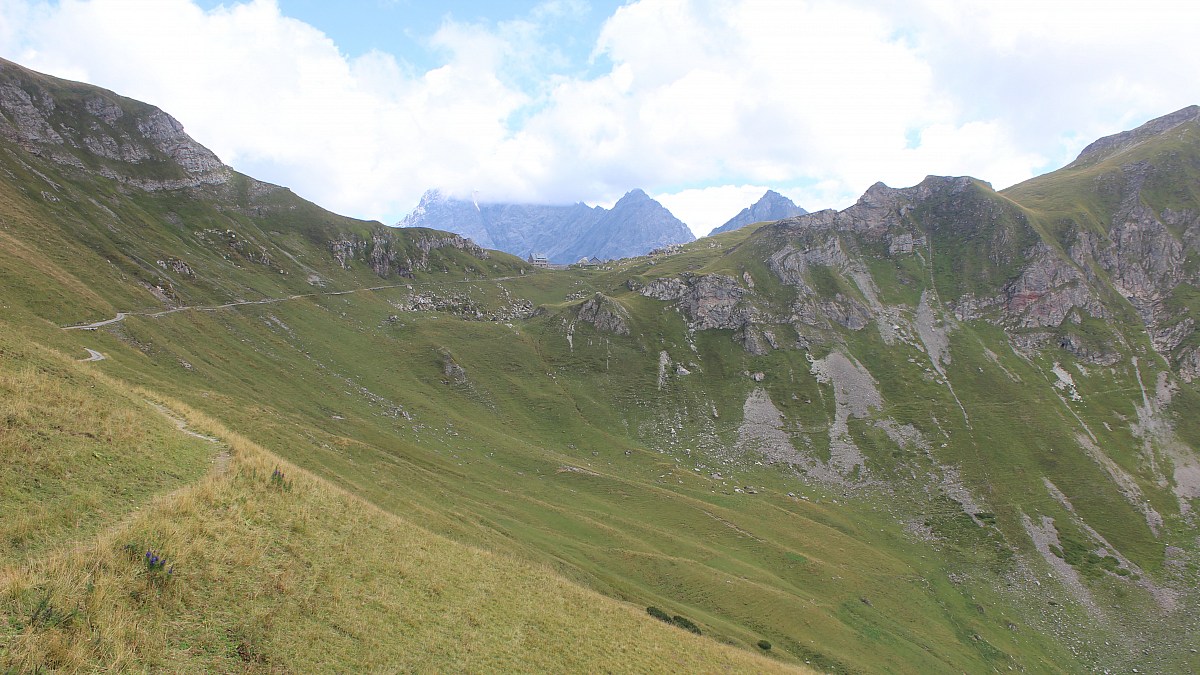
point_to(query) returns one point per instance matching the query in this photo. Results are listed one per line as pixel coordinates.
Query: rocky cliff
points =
(86, 127)
(388, 253)
(157, 207)
(1018, 260)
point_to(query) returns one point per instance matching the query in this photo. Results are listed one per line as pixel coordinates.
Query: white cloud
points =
(1059, 71)
(705, 208)
(275, 98)
(733, 94)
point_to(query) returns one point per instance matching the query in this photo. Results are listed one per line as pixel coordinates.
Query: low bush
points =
(685, 623)
(658, 614)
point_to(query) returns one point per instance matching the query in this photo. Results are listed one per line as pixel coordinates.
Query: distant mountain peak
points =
(771, 206)
(634, 196)
(1110, 145)
(635, 225)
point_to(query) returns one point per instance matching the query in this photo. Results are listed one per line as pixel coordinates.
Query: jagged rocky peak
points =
(441, 211)
(634, 196)
(1110, 145)
(883, 209)
(770, 207)
(83, 126)
(432, 199)
(564, 233)
(637, 201)
(637, 217)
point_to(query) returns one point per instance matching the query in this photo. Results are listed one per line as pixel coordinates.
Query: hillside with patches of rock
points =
(946, 429)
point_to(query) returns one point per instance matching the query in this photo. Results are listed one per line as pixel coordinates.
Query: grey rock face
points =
(634, 226)
(453, 372)
(1047, 290)
(167, 135)
(605, 314)
(1189, 365)
(1088, 354)
(1143, 253)
(384, 254)
(119, 138)
(771, 206)
(24, 121)
(437, 211)
(708, 301)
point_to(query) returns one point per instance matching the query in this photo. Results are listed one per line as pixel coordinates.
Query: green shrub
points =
(658, 614)
(764, 645)
(685, 623)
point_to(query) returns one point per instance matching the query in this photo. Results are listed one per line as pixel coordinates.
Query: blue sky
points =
(705, 104)
(402, 27)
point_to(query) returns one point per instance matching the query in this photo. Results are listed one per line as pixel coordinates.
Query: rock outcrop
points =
(388, 253)
(119, 138)
(986, 259)
(605, 314)
(709, 301)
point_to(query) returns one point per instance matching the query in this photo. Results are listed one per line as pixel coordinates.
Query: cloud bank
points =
(700, 102)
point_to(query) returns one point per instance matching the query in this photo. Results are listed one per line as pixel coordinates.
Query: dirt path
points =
(220, 460)
(265, 301)
(93, 355)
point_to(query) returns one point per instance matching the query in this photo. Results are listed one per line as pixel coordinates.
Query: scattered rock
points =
(606, 314)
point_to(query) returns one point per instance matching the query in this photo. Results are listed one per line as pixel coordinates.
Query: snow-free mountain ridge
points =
(635, 225)
(770, 207)
(944, 430)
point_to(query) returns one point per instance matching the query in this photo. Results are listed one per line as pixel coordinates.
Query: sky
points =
(705, 104)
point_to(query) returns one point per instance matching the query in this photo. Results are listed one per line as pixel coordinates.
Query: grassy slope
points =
(77, 460)
(296, 575)
(482, 463)
(485, 459)
(73, 448)
(563, 454)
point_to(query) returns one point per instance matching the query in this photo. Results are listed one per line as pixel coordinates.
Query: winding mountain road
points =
(99, 324)
(265, 301)
(93, 355)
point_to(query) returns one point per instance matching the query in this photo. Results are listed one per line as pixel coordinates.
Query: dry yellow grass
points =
(299, 576)
(77, 450)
